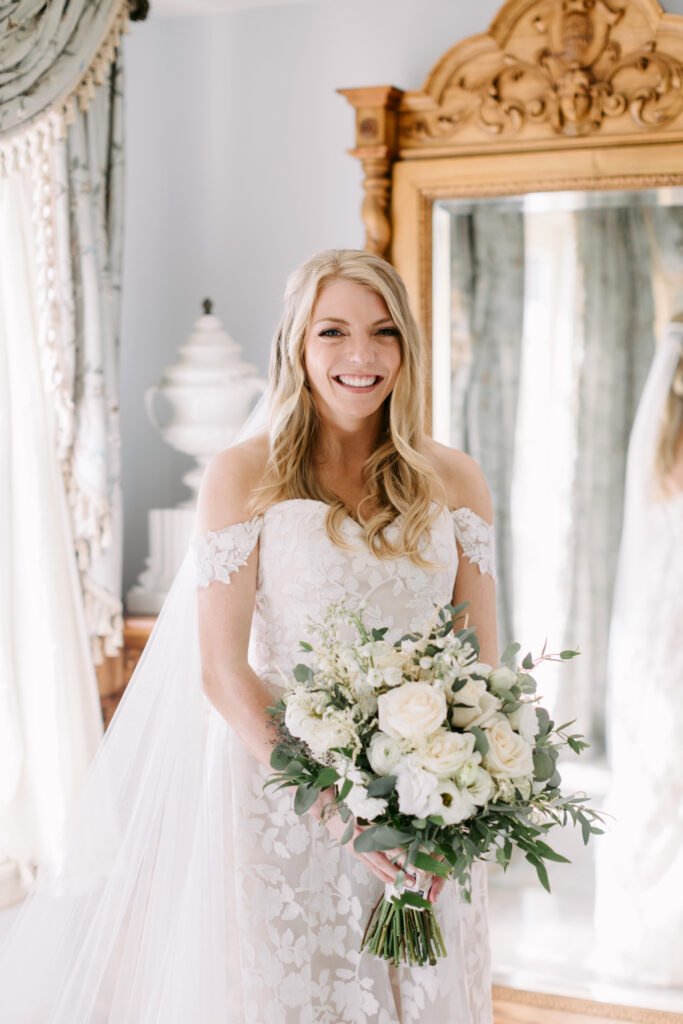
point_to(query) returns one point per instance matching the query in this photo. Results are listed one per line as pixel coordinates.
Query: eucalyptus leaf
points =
(279, 758)
(303, 674)
(326, 777)
(510, 651)
(427, 863)
(380, 837)
(481, 743)
(348, 831)
(382, 786)
(544, 765)
(304, 798)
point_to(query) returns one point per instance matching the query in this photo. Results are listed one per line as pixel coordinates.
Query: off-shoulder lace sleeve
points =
(220, 553)
(476, 538)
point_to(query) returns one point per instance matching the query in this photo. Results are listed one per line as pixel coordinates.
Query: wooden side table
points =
(114, 674)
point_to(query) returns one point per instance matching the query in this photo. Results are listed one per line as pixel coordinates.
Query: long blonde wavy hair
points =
(400, 480)
(671, 427)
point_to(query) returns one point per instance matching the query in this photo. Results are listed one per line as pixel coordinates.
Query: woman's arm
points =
(226, 609)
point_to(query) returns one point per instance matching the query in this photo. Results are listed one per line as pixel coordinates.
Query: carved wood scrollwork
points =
(567, 64)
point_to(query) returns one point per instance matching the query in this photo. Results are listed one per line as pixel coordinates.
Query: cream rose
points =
(456, 805)
(502, 679)
(443, 753)
(471, 693)
(384, 753)
(482, 715)
(411, 711)
(508, 754)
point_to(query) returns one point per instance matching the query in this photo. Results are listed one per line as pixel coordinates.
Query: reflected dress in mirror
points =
(639, 897)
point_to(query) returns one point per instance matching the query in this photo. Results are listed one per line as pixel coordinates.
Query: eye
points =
(389, 332)
(330, 332)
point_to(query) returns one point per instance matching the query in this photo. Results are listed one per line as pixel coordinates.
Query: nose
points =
(360, 347)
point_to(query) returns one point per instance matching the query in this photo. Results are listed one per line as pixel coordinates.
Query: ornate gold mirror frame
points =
(558, 95)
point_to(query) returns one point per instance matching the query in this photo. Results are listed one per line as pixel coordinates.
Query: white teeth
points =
(357, 382)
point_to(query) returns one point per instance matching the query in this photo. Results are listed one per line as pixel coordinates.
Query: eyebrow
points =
(339, 320)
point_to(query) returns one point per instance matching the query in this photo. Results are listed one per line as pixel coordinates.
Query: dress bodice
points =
(301, 571)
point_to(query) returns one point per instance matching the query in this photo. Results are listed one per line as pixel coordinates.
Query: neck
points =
(347, 446)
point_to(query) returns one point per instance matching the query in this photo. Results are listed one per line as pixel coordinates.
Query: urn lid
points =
(208, 354)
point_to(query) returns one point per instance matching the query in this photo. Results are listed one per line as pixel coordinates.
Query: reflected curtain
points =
(487, 275)
(615, 344)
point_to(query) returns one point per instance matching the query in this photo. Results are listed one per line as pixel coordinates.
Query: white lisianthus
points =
(502, 679)
(477, 783)
(417, 790)
(524, 721)
(483, 715)
(444, 752)
(456, 805)
(482, 669)
(508, 754)
(358, 802)
(411, 711)
(384, 753)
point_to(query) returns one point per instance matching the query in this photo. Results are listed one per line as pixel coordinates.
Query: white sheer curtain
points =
(50, 720)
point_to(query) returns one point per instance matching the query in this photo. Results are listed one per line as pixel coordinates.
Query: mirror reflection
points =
(556, 366)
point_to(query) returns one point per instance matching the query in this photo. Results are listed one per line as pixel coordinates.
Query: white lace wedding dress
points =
(639, 897)
(181, 890)
(297, 900)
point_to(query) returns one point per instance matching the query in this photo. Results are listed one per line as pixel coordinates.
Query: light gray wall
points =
(237, 171)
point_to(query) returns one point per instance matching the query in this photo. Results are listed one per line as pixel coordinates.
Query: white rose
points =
(481, 669)
(471, 693)
(508, 753)
(483, 715)
(411, 711)
(525, 722)
(477, 783)
(417, 790)
(455, 805)
(443, 753)
(384, 753)
(502, 679)
(331, 730)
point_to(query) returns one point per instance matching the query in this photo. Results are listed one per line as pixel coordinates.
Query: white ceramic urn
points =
(201, 402)
(199, 405)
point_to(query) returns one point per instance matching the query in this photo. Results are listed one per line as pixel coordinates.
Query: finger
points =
(436, 888)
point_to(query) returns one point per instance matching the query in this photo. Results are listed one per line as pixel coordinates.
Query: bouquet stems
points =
(402, 932)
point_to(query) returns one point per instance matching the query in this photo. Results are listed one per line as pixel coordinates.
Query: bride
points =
(182, 890)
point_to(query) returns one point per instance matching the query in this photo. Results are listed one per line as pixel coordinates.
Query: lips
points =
(358, 382)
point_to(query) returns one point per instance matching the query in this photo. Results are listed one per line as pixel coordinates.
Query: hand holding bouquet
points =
(443, 758)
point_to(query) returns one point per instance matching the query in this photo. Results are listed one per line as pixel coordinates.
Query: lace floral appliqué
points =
(219, 553)
(476, 538)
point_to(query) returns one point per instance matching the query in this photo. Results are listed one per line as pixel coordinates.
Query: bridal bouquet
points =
(433, 752)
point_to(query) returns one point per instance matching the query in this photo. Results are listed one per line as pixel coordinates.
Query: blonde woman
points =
(214, 901)
(639, 900)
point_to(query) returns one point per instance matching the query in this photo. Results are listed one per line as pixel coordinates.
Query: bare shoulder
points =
(462, 478)
(228, 482)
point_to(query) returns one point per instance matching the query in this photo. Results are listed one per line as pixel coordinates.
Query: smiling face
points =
(352, 352)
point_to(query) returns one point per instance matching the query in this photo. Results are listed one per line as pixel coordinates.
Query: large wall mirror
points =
(531, 195)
